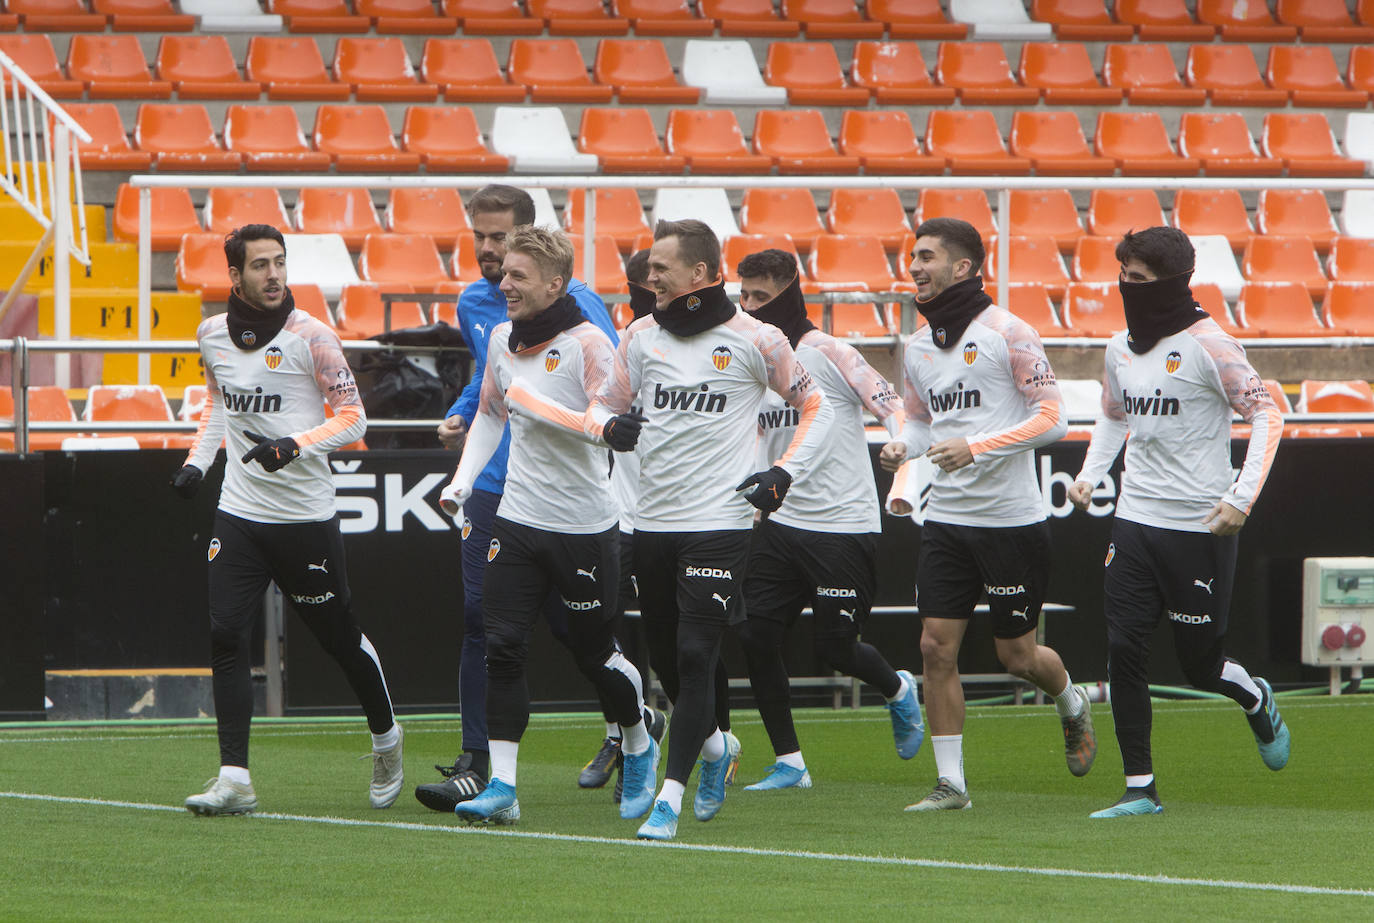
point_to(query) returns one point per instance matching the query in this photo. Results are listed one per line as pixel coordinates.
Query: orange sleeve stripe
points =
(1046, 417)
(810, 407)
(205, 414)
(554, 413)
(343, 418)
(1272, 436)
(899, 481)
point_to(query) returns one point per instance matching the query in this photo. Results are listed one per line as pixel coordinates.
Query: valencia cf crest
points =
(1111, 553)
(693, 302)
(721, 357)
(493, 550)
(467, 528)
(272, 357)
(551, 360)
(940, 336)
(213, 549)
(1172, 362)
(248, 338)
(970, 352)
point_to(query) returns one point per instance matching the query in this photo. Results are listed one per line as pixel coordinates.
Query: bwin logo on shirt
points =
(970, 352)
(272, 357)
(256, 402)
(777, 419)
(1155, 405)
(551, 360)
(958, 399)
(702, 401)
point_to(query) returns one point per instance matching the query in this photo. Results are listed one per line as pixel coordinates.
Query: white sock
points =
(1140, 781)
(504, 754)
(793, 759)
(902, 689)
(1233, 672)
(671, 792)
(612, 731)
(636, 739)
(388, 739)
(1068, 703)
(714, 746)
(237, 774)
(949, 759)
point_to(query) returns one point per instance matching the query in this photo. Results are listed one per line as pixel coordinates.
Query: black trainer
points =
(598, 771)
(461, 783)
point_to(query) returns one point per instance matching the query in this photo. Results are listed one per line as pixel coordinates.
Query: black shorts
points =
(1152, 571)
(833, 572)
(629, 586)
(306, 559)
(525, 563)
(692, 576)
(958, 564)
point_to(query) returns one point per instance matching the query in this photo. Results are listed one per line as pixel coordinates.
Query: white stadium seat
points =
(727, 73)
(536, 139)
(323, 260)
(708, 205)
(1217, 264)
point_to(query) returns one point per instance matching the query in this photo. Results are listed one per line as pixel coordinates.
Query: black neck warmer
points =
(787, 312)
(1158, 309)
(641, 300)
(251, 327)
(563, 314)
(696, 312)
(950, 312)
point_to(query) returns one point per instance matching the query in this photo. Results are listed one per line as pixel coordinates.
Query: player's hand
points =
(272, 454)
(452, 432)
(771, 489)
(951, 454)
(1081, 494)
(622, 432)
(452, 498)
(893, 455)
(187, 481)
(1224, 519)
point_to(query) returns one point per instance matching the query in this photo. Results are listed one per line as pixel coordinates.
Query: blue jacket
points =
(481, 307)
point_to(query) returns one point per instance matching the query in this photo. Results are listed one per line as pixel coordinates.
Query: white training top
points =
(625, 482)
(839, 495)
(1176, 401)
(276, 390)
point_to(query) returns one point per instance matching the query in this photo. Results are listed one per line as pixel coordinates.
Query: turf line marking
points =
(943, 864)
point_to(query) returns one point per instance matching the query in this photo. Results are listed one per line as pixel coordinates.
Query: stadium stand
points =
(1054, 144)
(624, 141)
(536, 140)
(346, 212)
(638, 70)
(270, 139)
(1046, 213)
(1032, 259)
(619, 215)
(292, 69)
(448, 140)
(467, 71)
(1278, 309)
(359, 139)
(782, 211)
(1346, 307)
(869, 212)
(1296, 212)
(885, 142)
(1093, 310)
(437, 212)
(896, 74)
(1063, 73)
(1200, 212)
(172, 216)
(798, 142)
(202, 67)
(48, 404)
(810, 71)
(1113, 212)
(970, 140)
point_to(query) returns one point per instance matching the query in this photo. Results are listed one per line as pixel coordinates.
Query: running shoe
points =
(944, 797)
(1135, 801)
(461, 782)
(222, 796)
(907, 730)
(598, 770)
(1080, 741)
(1268, 723)
(781, 776)
(387, 773)
(661, 825)
(638, 778)
(713, 778)
(496, 805)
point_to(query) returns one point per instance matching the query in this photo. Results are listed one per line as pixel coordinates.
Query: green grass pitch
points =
(91, 827)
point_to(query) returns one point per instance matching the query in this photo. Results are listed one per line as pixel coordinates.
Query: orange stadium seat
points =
(1055, 146)
(346, 212)
(979, 72)
(782, 211)
(56, 16)
(229, 208)
(1278, 309)
(712, 142)
(1306, 144)
(182, 138)
(359, 139)
(969, 205)
(47, 404)
(1094, 260)
(639, 71)
(1209, 297)
(143, 403)
(971, 142)
(1283, 259)
(1033, 259)
(1351, 259)
(738, 246)
(884, 140)
(1046, 213)
(609, 270)
(109, 147)
(1230, 76)
(924, 19)
(437, 212)
(1223, 143)
(270, 138)
(1093, 310)
(663, 17)
(1346, 308)
(624, 141)
(851, 321)
(200, 266)
(811, 73)
(831, 19)
(577, 17)
(1063, 73)
(1323, 21)
(868, 212)
(1081, 20)
(362, 314)
(839, 260)
(409, 17)
(1202, 212)
(467, 70)
(619, 214)
(799, 142)
(1147, 74)
(379, 70)
(291, 68)
(1359, 69)
(172, 216)
(310, 299)
(1296, 212)
(1113, 212)
(35, 56)
(748, 18)
(1244, 22)
(1352, 396)
(553, 71)
(448, 140)
(1140, 145)
(1163, 21)
(319, 16)
(464, 259)
(1310, 75)
(493, 17)
(409, 258)
(1033, 305)
(896, 74)
(112, 67)
(202, 67)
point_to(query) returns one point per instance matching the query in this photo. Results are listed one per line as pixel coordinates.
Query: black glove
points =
(187, 481)
(772, 488)
(272, 454)
(622, 432)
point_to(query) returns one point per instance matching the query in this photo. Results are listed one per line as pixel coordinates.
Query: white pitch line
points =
(1219, 883)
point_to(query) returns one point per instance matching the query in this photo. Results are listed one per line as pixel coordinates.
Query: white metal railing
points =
(42, 168)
